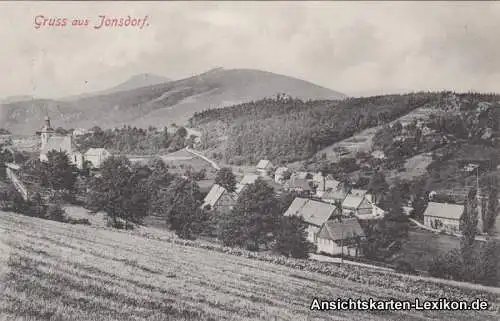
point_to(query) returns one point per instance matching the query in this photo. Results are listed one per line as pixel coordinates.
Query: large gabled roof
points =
(335, 230)
(249, 179)
(215, 194)
(263, 164)
(312, 212)
(444, 210)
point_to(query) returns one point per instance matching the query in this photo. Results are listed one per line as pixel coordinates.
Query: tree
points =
(378, 186)
(491, 210)
(419, 197)
(181, 132)
(489, 261)
(291, 239)
(468, 227)
(226, 179)
(254, 220)
(180, 205)
(166, 137)
(120, 191)
(387, 234)
(60, 172)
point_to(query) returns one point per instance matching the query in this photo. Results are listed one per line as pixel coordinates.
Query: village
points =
(335, 212)
(338, 214)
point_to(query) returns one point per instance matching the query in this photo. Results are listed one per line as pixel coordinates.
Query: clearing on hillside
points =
(55, 271)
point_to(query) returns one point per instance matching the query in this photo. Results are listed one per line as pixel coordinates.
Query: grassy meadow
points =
(56, 271)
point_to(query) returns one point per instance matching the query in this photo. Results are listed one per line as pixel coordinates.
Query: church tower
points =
(46, 132)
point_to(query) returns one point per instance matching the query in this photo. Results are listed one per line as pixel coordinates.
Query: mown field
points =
(54, 271)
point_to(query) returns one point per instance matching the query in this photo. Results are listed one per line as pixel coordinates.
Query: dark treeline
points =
(284, 129)
(134, 140)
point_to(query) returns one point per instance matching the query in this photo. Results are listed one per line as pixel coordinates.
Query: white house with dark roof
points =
(340, 237)
(443, 216)
(314, 213)
(263, 167)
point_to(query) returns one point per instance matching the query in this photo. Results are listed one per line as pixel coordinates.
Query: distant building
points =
(333, 197)
(249, 179)
(314, 213)
(263, 167)
(331, 184)
(340, 237)
(301, 175)
(378, 154)
(319, 180)
(279, 174)
(79, 132)
(299, 185)
(97, 156)
(443, 216)
(354, 205)
(52, 141)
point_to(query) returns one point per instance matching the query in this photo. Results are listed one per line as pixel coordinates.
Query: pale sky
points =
(352, 47)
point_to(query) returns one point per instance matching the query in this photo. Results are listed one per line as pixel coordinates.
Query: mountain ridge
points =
(159, 104)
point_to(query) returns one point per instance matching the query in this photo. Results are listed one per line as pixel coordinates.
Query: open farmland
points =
(54, 271)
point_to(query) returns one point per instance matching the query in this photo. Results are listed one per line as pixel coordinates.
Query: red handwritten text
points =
(43, 21)
(101, 22)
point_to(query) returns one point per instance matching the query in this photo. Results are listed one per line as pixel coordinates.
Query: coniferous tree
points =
(468, 227)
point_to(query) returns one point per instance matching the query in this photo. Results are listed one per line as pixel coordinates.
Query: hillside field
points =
(54, 271)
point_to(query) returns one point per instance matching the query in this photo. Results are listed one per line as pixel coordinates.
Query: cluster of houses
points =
(333, 212)
(65, 143)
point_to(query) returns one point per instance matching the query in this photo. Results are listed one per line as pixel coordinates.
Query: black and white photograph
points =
(249, 160)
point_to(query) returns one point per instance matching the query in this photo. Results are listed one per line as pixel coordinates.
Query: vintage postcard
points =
(238, 160)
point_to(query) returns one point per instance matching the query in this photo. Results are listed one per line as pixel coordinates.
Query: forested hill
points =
(284, 129)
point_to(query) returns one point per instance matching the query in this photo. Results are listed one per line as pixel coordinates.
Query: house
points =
(79, 132)
(340, 237)
(301, 175)
(319, 180)
(299, 185)
(245, 181)
(443, 216)
(263, 167)
(378, 154)
(356, 205)
(249, 179)
(97, 156)
(280, 175)
(331, 184)
(333, 197)
(52, 141)
(219, 199)
(314, 213)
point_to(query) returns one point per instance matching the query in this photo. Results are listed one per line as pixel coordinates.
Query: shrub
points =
(55, 213)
